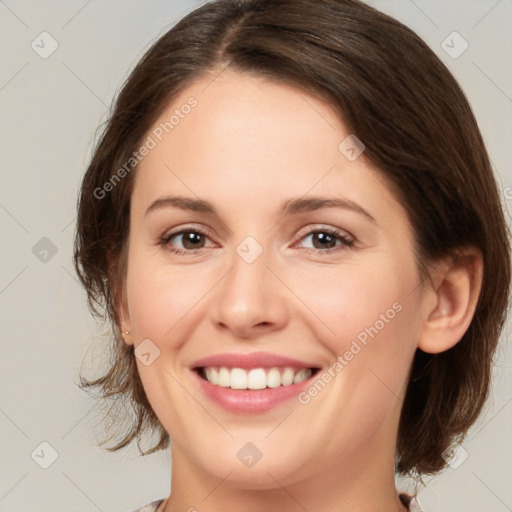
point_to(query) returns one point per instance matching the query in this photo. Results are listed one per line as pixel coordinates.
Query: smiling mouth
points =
(254, 378)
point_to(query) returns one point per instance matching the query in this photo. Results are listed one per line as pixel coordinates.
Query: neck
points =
(367, 486)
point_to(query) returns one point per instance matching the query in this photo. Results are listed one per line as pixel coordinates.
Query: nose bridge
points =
(247, 283)
(249, 295)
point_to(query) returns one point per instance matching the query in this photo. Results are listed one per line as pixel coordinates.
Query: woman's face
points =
(262, 273)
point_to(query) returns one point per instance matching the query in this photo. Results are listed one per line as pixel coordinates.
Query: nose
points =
(250, 300)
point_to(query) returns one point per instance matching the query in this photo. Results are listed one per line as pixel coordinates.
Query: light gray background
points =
(49, 109)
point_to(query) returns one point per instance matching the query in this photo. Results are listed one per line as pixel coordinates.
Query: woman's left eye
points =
(325, 240)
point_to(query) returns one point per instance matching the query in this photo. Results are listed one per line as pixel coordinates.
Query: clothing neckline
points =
(408, 500)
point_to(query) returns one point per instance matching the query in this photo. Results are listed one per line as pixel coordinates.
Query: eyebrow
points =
(292, 206)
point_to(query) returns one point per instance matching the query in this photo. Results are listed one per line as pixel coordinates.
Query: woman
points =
(290, 221)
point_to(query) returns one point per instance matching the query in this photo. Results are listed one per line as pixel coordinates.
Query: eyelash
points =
(346, 243)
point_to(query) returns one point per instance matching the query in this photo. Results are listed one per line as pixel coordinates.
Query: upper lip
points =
(252, 360)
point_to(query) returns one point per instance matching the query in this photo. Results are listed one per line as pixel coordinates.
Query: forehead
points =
(239, 138)
(246, 118)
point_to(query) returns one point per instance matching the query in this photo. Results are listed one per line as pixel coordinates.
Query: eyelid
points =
(313, 228)
(181, 229)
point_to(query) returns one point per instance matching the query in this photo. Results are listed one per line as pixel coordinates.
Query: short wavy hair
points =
(390, 89)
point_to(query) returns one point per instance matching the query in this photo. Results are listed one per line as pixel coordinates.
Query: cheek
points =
(367, 315)
(352, 301)
(160, 299)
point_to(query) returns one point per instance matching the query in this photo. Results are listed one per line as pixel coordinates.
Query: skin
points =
(250, 145)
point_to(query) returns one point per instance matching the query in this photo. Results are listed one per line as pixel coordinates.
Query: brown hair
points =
(419, 131)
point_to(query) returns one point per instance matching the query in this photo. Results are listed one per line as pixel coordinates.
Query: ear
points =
(124, 316)
(121, 302)
(451, 300)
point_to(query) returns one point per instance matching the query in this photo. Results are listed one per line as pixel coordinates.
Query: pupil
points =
(193, 239)
(325, 238)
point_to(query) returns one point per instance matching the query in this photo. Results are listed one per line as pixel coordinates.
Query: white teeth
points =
(302, 375)
(223, 378)
(238, 378)
(273, 378)
(256, 378)
(287, 377)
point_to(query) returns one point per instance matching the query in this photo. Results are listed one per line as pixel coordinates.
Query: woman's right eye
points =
(191, 241)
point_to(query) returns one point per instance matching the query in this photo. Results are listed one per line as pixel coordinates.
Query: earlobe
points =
(121, 302)
(126, 332)
(125, 321)
(455, 292)
(124, 316)
(127, 337)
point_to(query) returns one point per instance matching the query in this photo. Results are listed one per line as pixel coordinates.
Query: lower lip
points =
(250, 400)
